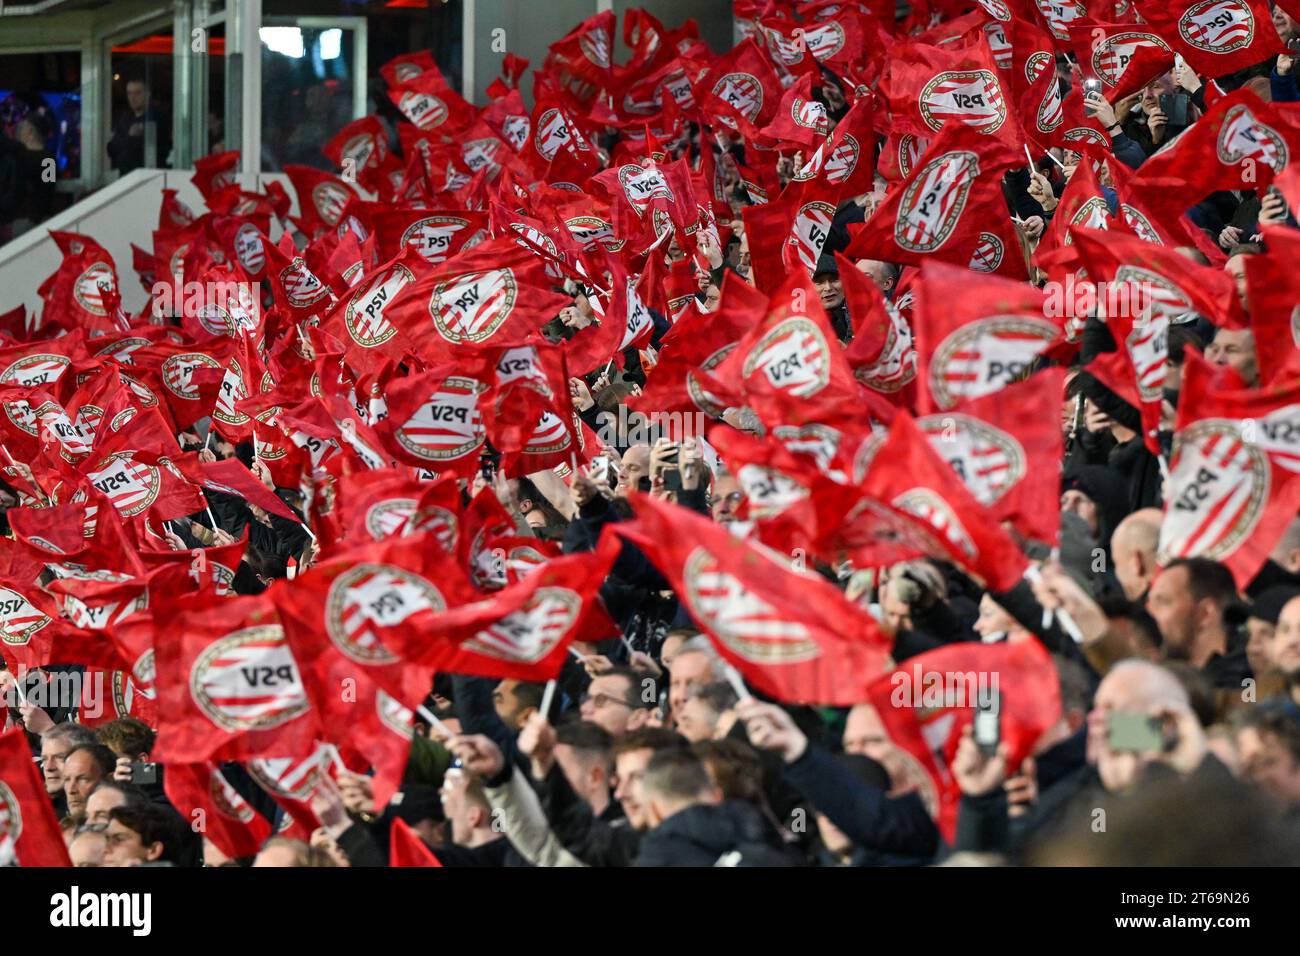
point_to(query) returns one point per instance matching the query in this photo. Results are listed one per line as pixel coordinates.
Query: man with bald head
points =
(1133, 550)
(1136, 688)
(636, 465)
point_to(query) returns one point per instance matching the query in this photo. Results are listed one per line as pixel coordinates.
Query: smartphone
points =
(1174, 106)
(599, 470)
(1090, 86)
(144, 774)
(987, 729)
(1135, 732)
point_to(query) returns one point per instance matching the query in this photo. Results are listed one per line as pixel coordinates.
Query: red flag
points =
(29, 831)
(789, 632)
(201, 791)
(1215, 37)
(1240, 143)
(523, 631)
(407, 849)
(1002, 446)
(740, 90)
(976, 336)
(1232, 474)
(927, 702)
(793, 354)
(909, 474)
(951, 208)
(228, 685)
(1122, 57)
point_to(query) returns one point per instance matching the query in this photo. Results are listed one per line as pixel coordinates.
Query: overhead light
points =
(287, 41)
(331, 44)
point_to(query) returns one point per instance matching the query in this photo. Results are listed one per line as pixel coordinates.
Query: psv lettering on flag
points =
(364, 315)
(987, 355)
(248, 680)
(472, 307)
(933, 203)
(529, 634)
(1219, 485)
(973, 97)
(432, 237)
(1218, 26)
(794, 356)
(812, 226)
(449, 425)
(369, 598)
(130, 485)
(36, 370)
(19, 618)
(425, 111)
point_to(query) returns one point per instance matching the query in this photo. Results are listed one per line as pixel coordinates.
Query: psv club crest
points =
(973, 97)
(934, 201)
(749, 626)
(248, 680)
(472, 307)
(365, 600)
(1218, 26)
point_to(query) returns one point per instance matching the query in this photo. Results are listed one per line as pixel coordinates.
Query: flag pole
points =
(548, 695)
(434, 722)
(736, 681)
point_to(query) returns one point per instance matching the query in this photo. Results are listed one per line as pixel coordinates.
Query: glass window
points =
(140, 131)
(40, 137)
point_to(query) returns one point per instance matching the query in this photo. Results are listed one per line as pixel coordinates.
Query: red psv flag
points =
(1215, 37)
(928, 701)
(801, 121)
(523, 631)
(322, 197)
(927, 87)
(1232, 474)
(1120, 56)
(435, 419)
(976, 337)
(29, 831)
(229, 687)
(347, 614)
(790, 633)
(741, 90)
(1000, 446)
(950, 207)
(906, 472)
(233, 826)
(496, 292)
(793, 354)
(1241, 143)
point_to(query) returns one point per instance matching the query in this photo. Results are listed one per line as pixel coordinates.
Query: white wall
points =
(116, 216)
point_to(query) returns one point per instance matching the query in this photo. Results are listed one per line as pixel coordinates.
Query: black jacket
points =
(731, 833)
(898, 829)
